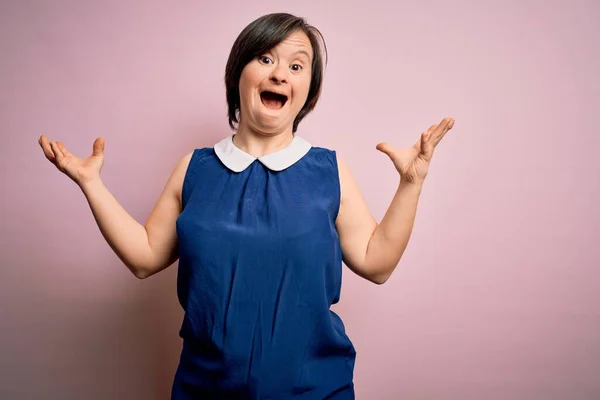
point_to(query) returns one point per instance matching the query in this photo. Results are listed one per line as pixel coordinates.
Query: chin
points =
(270, 127)
(270, 121)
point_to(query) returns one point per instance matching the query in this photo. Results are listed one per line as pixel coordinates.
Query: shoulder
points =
(333, 157)
(323, 153)
(189, 161)
(184, 167)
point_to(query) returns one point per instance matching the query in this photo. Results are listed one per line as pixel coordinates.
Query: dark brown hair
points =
(260, 36)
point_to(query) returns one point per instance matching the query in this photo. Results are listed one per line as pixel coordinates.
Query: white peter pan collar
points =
(238, 160)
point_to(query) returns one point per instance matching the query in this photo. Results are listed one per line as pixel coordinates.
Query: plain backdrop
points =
(498, 294)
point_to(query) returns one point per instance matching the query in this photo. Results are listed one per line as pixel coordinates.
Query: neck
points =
(258, 144)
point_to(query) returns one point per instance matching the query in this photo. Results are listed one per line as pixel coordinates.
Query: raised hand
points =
(80, 170)
(413, 162)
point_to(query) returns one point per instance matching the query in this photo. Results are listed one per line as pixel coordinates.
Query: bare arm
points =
(373, 250)
(144, 249)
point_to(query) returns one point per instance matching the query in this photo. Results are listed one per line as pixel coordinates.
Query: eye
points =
(296, 67)
(265, 59)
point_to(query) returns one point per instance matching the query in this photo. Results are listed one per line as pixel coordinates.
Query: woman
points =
(260, 224)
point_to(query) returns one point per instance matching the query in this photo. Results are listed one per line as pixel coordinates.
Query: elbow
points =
(383, 273)
(377, 270)
(379, 276)
(141, 275)
(380, 279)
(140, 272)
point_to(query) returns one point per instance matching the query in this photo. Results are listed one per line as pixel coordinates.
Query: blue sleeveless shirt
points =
(260, 265)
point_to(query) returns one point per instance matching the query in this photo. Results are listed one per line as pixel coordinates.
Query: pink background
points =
(498, 294)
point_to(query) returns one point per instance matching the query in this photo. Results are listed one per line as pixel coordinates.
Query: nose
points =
(279, 74)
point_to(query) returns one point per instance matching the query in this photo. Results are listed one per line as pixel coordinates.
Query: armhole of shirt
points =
(337, 184)
(191, 175)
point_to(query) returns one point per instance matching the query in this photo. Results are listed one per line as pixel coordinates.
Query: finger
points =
(426, 136)
(63, 149)
(43, 141)
(58, 155)
(98, 147)
(441, 130)
(442, 127)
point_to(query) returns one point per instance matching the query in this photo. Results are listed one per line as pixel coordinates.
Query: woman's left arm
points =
(373, 250)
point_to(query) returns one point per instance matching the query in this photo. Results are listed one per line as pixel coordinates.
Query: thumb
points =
(98, 147)
(387, 149)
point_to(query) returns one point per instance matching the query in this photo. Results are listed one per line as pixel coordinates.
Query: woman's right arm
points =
(144, 249)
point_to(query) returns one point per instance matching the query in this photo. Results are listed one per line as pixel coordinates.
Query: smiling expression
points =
(274, 86)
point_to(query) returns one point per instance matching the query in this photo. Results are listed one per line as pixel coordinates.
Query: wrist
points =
(414, 184)
(89, 185)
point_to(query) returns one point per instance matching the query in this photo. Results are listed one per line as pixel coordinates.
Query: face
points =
(274, 86)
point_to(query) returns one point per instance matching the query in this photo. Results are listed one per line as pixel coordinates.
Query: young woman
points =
(260, 224)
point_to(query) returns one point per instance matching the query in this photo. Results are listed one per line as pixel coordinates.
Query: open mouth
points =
(273, 100)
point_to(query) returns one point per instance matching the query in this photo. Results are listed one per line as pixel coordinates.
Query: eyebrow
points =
(303, 52)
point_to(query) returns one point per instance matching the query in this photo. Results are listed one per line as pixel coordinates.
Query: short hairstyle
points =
(260, 36)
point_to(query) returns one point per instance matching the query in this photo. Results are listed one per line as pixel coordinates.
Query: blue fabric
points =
(260, 265)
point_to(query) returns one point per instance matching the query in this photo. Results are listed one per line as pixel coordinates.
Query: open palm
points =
(80, 170)
(413, 162)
